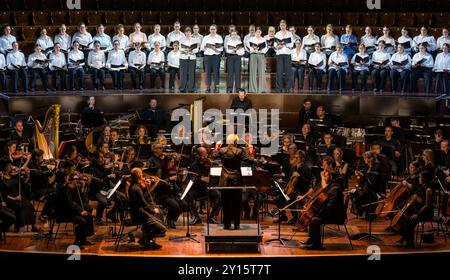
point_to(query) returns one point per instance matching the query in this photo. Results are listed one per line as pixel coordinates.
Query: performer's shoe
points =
(306, 242)
(152, 245)
(313, 246)
(211, 220)
(237, 227)
(197, 221)
(226, 227)
(86, 243)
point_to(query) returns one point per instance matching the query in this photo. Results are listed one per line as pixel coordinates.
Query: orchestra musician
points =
(242, 101)
(141, 136)
(306, 112)
(7, 216)
(143, 211)
(307, 141)
(156, 115)
(392, 149)
(77, 160)
(40, 173)
(20, 137)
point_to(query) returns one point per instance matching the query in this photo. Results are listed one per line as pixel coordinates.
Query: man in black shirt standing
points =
(241, 101)
(19, 136)
(156, 115)
(306, 112)
(391, 148)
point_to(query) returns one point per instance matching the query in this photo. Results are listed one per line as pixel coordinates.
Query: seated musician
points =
(115, 143)
(156, 161)
(105, 137)
(399, 133)
(332, 211)
(71, 206)
(425, 212)
(444, 159)
(7, 215)
(201, 166)
(77, 160)
(326, 146)
(143, 211)
(392, 149)
(20, 137)
(40, 174)
(141, 136)
(156, 115)
(307, 138)
(383, 160)
(341, 166)
(438, 138)
(241, 101)
(323, 117)
(306, 112)
(428, 170)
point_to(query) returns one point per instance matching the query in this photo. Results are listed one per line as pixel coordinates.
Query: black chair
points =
(344, 223)
(420, 229)
(58, 223)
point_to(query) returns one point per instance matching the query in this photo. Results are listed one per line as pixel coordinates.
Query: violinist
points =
(201, 166)
(76, 159)
(141, 136)
(19, 160)
(332, 211)
(40, 173)
(155, 162)
(109, 156)
(428, 166)
(19, 136)
(105, 137)
(425, 197)
(71, 207)
(115, 143)
(144, 212)
(7, 216)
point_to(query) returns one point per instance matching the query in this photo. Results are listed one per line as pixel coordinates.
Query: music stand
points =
(368, 235)
(188, 235)
(287, 198)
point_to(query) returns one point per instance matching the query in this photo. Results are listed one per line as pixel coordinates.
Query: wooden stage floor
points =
(335, 244)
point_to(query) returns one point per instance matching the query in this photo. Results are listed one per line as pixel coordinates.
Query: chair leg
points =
(348, 235)
(119, 236)
(323, 233)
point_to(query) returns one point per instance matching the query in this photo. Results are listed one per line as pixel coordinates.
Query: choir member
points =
(380, 71)
(424, 37)
(103, 38)
(122, 38)
(405, 40)
(84, 39)
(137, 37)
(293, 31)
(349, 41)
(58, 67)
(444, 39)
(400, 65)
(250, 34)
(257, 73)
(157, 37)
(270, 39)
(174, 36)
(6, 40)
(310, 40)
(3, 72)
(389, 41)
(136, 62)
(231, 28)
(441, 69)
(234, 49)
(189, 47)
(38, 63)
(97, 63)
(329, 40)
(117, 64)
(337, 68)
(76, 64)
(64, 39)
(156, 61)
(299, 57)
(361, 64)
(173, 63)
(212, 46)
(317, 62)
(45, 41)
(283, 45)
(15, 61)
(199, 37)
(369, 41)
(422, 65)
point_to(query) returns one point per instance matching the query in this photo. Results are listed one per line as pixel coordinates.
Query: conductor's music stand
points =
(188, 235)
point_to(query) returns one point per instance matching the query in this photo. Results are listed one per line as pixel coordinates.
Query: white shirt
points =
(137, 59)
(157, 38)
(390, 41)
(336, 57)
(174, 36)
(34, 56)
(6, 42)
(297, 56)
(84, 39)
(381, 56)
(123, 41)
(257, 41)
(210, 39)
(403, 39)
(96, 59)
(286, 48)
(364, 66)
(116, 57)
(369, 41)
(316, 58)
(2, 62)
(105, 41)
(58, 60)
(310, 40)
(64, 41)
(397, 57)
(232, 43)
(267, 38)
(441, 41)
(442, 62)
(428, 59)
(75, 56)
(247, 39)
(328, 42)
(156, 57)
(173, 59)
(198, 37)
(185, 52)
(16, 58)
(45, 42)
(420, 39)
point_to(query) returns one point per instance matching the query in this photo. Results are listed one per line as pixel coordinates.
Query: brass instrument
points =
(49, 144)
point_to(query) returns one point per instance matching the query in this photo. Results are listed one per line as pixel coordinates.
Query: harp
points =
(47, 134)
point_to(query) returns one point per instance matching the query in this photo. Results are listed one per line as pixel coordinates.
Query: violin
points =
(19, 154)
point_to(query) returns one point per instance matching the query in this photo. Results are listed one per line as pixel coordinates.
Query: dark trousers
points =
(42, 73)
(403, 76)
(315, 74)
(246, 198)
(315, 235)
(76, 73)
(7, 218)
(214, 200)
(363, 74)
(212, 67)
(117, 77)
(98, 75)
(284, 75)
(102, 202)
(174, 205)
(234, 68)
(152, 227)
(379, 77)
(156, 72)
(84, 226)
(24, 212)
(139, 74)
(340, 75)
(173, 74)
(62, 79)
(421, 72)
(15, 75)
(232, 206)
(442, 80)
(187, 75)
(298, 73)
(3, 80)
